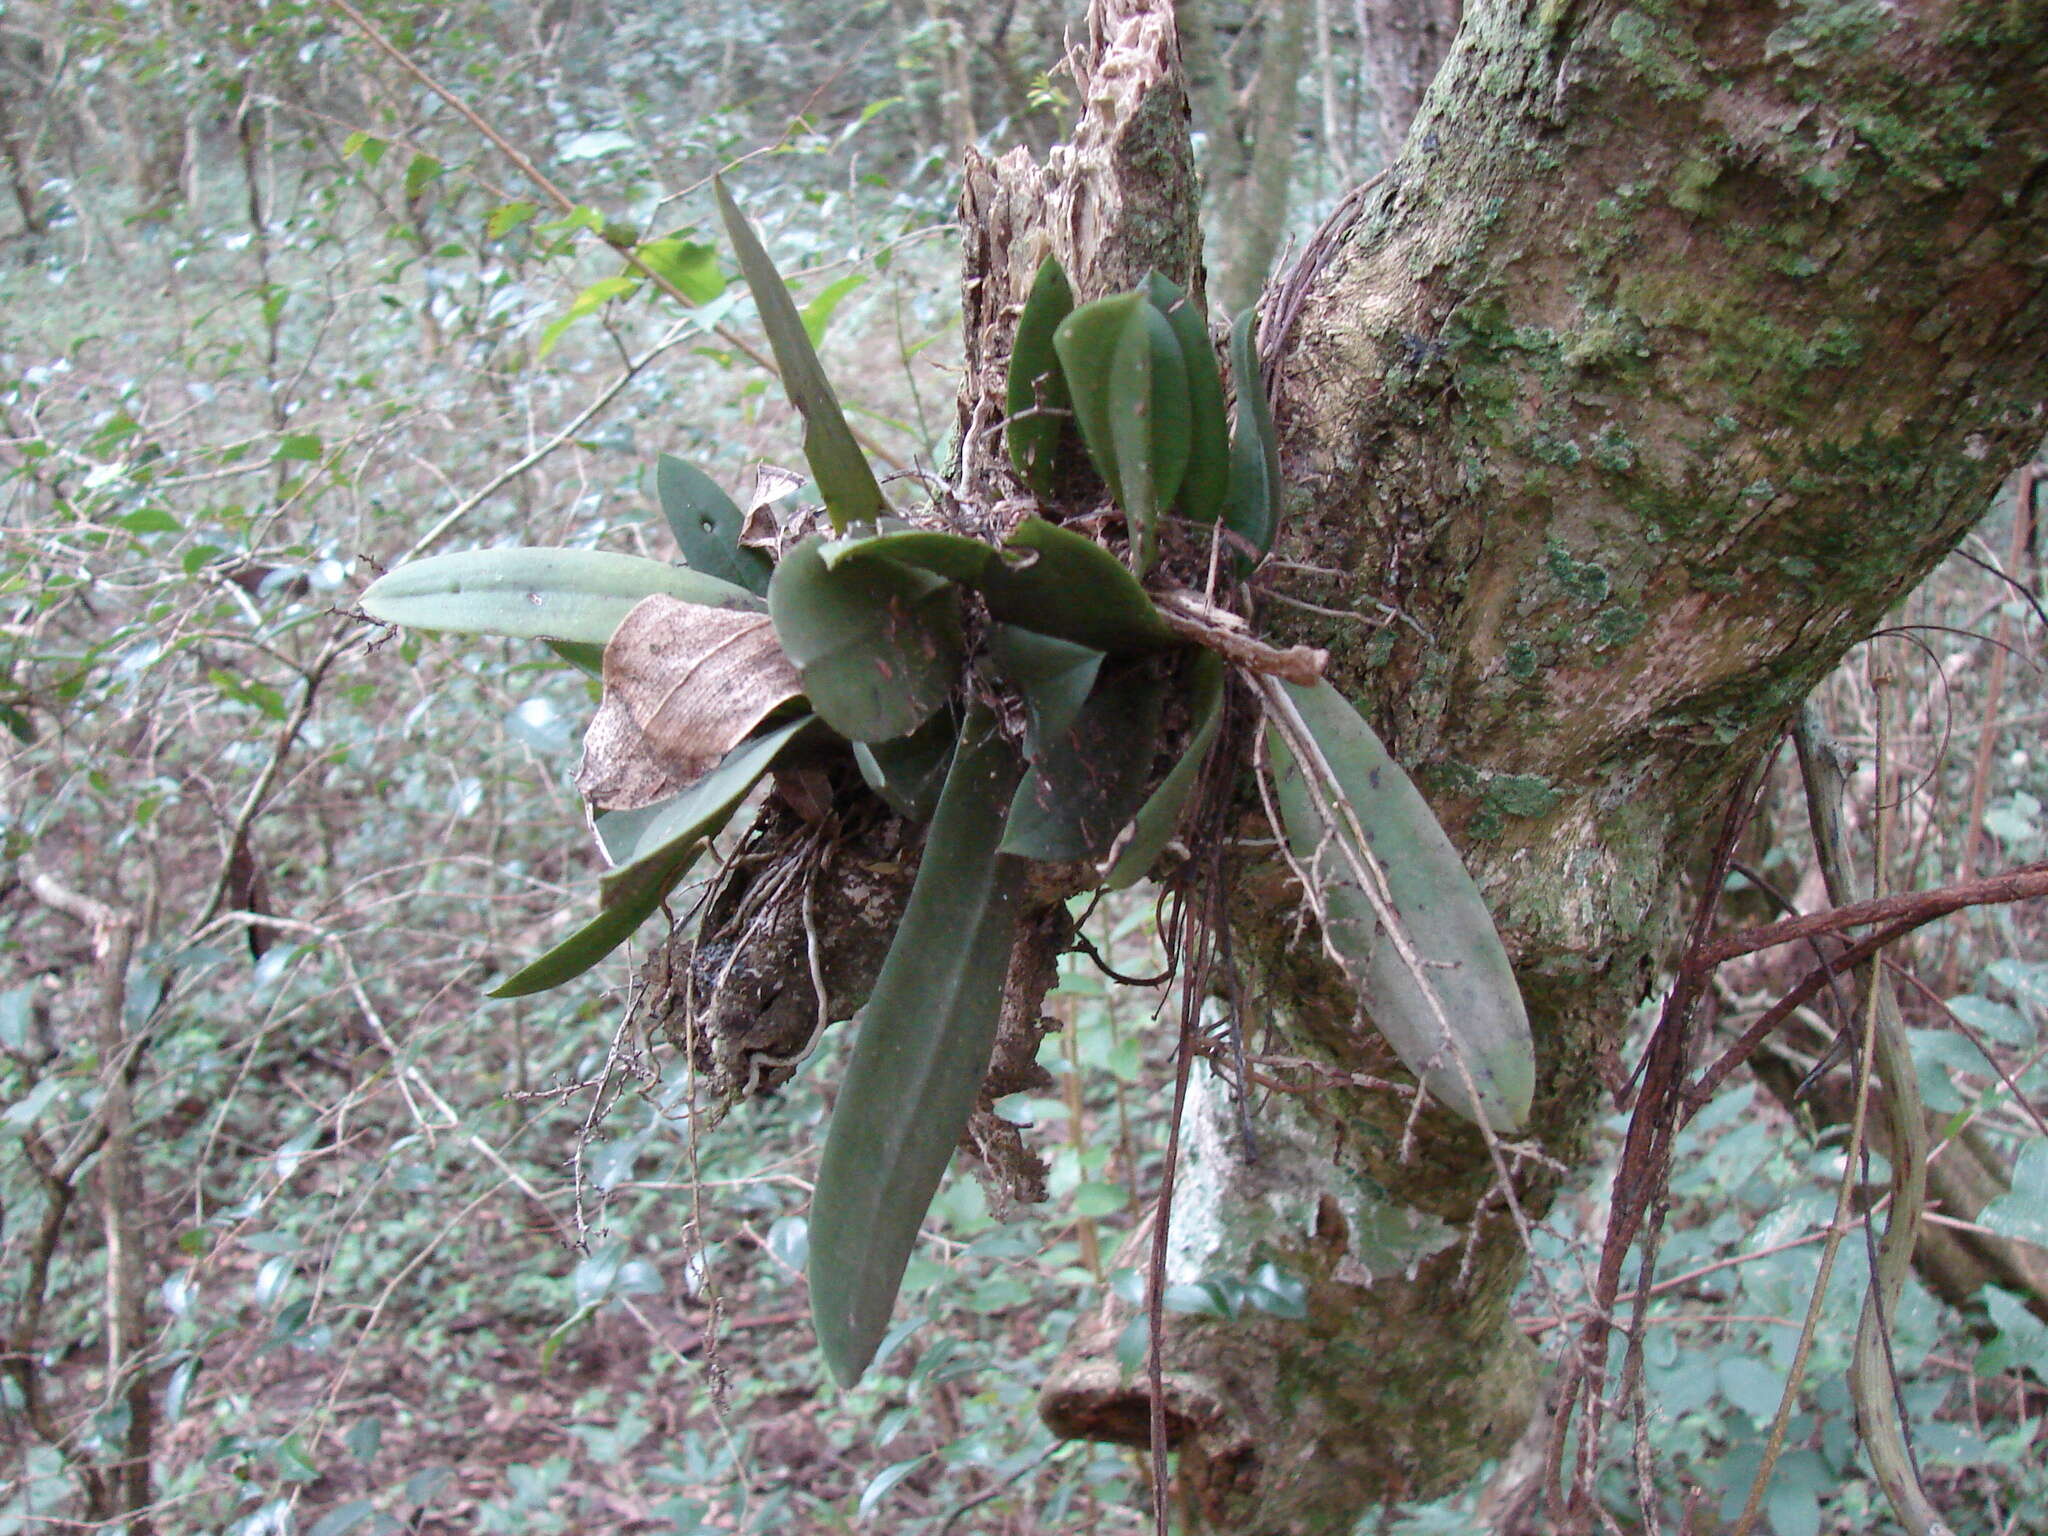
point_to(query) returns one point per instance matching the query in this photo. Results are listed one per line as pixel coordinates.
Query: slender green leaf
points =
(818, 313)
(1436, 902)
(1054, 676)
(1091, 780)
(841, 470)
(1148, 422)
(1086, 343)
(918, 1060)
(588, 659)
(706, 525)
(1253, 509)
(663, 847)
(1160, 814)
(1207, 481)
(910, 771)
(952, 555)
(577, 595)
(1039, 406)
(876, 643)
(1058, 582)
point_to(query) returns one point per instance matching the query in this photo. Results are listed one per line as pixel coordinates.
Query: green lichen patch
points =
(1581, 579)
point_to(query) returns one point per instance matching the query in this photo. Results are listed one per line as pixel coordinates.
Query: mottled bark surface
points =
(1404, 44)
(1680, 342)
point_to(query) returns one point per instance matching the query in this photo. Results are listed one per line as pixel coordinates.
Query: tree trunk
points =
(1678, 344)
(1404, 43)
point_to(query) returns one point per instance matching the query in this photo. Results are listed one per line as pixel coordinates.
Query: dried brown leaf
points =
(683, 685)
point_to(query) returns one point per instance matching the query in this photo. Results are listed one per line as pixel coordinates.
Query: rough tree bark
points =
(1681, 340)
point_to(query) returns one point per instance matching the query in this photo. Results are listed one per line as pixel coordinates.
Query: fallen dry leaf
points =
(683, 685)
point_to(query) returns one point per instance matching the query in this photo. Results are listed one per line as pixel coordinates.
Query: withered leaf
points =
(683, 685)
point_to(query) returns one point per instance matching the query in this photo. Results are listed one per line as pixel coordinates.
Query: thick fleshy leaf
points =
(918, 1060)
(588, 659)
(1148, 422)
(706, 524)
(576, 595)
(1253, 508)
(951, 555)
(683, 685)
(1039, 405)
(910, 771)
(1086, 343)
(1057, 582)
(1054, 676)
(837, 464)
(1207, 481)
(664, 847)
(1091, 780)
(1435, 901)
(876, 643)
(1154, 824)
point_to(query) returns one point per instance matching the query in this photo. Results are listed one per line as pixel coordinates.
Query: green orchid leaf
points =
(918, 1060)
(909, 772)
(1253, 509)
(1435, 901)
(1038, 402)
(1091, 780)
(1054, 676)
(951, 555)
(841, 470)
(1207, 481)
(1149, 424)
(577, 595)
(1086, 344)
(877, 644)
(1153, 826)
(1057, 582)
(587, 659)
(706, 525)
(655, 848)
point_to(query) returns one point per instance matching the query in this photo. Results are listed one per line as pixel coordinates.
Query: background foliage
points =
(275, 314)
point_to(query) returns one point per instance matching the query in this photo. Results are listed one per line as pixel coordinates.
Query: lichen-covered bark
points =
(1682, 340)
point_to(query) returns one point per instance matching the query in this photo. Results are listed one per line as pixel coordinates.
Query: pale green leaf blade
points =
(1058, 582)
(706, 525)
(837, 464)
(877, 644)
(576, 595)
(687, 266)
(1153, 825)
(1436, 901)
(1038, 406)
(918, 1060)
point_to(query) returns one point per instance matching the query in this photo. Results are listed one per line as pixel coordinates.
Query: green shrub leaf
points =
(837, 464)
(876, 643)
(706, 525)
(1160, 814)
(1038, 404)
(577, 595)
(918, 1060)
(1434, 899)
(1149, 424)
(951, 555)
(1086, 343)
